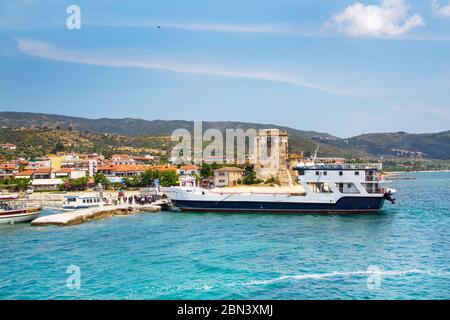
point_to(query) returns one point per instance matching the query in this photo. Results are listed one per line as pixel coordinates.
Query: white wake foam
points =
(386, 273)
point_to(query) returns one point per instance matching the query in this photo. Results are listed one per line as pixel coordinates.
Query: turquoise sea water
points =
(238, 256)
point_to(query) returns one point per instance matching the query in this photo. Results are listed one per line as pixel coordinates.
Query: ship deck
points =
(259, 190)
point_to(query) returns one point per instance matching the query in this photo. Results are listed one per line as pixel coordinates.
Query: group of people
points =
(141, 199)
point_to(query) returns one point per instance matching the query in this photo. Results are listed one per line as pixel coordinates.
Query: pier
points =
(85, 215)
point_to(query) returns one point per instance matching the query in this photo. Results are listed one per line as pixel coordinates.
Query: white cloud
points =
(441, 10)
(389, 18)
(48, 51)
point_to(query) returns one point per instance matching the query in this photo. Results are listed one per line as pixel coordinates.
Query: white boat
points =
(83, 202)
(321, 188)
(9, 196)
(14, 209)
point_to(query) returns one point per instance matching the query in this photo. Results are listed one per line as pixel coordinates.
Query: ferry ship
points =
(14, 209)
(322, 188)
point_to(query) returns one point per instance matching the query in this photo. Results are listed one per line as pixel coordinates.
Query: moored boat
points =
(321, 188)
(83, 202)
(14, 209)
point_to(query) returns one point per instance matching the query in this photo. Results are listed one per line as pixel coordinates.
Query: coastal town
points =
(65, 171)
(271, 178)
(124, 183)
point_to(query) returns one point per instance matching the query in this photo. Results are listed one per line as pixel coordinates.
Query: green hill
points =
(128, 126)
(138, 133)
(399, 144)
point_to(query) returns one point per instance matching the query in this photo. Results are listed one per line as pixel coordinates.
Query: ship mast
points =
(315, 153)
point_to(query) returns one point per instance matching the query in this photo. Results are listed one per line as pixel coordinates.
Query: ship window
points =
(317, 173)
(325, 173)
(356, 173)
(371, 187)
(319, 187)
(347, 188)
(341, 173)
(301, 172)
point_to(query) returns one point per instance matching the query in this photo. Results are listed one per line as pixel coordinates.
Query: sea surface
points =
(401, 253)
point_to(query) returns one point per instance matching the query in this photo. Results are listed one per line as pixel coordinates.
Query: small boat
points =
(9, 196)
(14, 209)
(83, 202)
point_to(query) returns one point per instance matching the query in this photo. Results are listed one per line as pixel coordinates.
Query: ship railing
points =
(355, 166)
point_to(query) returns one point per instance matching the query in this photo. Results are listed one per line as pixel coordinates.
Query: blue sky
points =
(343, 67)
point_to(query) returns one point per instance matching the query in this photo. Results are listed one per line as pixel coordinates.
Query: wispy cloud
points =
(48, 51)
(331, 29)
(268, 29)
(389, 18)
(194, 26)
(441, 10)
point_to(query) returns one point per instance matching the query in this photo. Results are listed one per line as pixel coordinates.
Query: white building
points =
(47, 184)
(189, 170)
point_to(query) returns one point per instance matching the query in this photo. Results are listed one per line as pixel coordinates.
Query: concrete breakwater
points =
(86, 215)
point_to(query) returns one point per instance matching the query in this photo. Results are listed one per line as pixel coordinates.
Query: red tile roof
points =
(190, 167)
(8, 166)
(134, 168)
(25, 173)
(229, 169)
(43, 170)
(63, 170)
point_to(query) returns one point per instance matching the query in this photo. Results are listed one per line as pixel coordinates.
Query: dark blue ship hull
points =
(343, 205)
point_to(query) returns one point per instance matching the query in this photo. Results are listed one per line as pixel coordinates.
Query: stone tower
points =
(271, 154)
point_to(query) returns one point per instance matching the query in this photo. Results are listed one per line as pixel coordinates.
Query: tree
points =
(100, 178)
(58, 147)
(197, 178)
(22, 184)
(249, 175)
(15, 184)
(133, 182)
(78, 184)
(206, 171)
(215, 166)
(249, 178)
(148, 177)
(168, 178)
